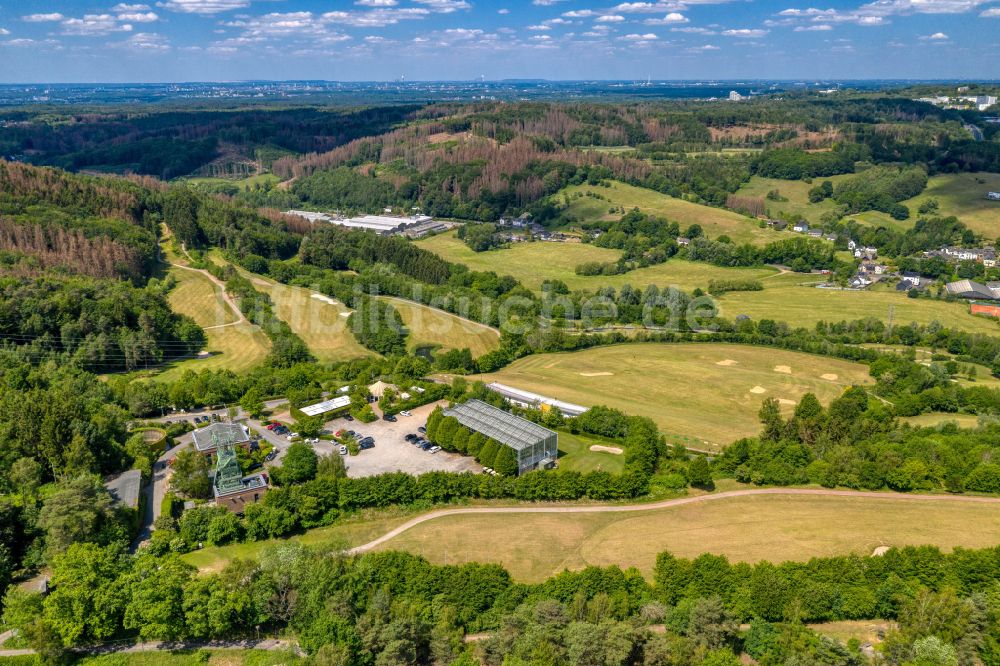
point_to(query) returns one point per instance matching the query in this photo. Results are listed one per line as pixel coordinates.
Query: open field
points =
(797, 193)
(786, 299)
(242, 183)
(430, 327)
(363, 527)
(938, 418)
(714, 221)
(707, 394)
(532, 263)
(235, 345)
(575, 455)
(320, 323)
(749, 529)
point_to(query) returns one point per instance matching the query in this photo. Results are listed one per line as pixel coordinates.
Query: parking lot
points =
(392, 453)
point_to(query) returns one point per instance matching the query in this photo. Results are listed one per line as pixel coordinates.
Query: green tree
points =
(76, 512)
(156, 604)
(505, 462)
(488, 454)
(331, 466)
(699, 473)
(252, 402)
(190, 474)
(88, 597)
(26, 476)
(298, 466)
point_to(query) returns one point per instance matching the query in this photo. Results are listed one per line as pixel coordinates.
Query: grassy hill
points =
(532, 263)
(703, 395)
(430, 327)
(747, 529)
(714, 221)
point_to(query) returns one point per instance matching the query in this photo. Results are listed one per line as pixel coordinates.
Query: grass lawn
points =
(937, 418)
(714, 221)
(430, 327)
(962, 195)
(321, 324)
(187, 657)
(778, 528)
(786, 298)
(242, 183)
(532, 263)
(703, 395)
(353, 531)
(575, 455)
(234, 346)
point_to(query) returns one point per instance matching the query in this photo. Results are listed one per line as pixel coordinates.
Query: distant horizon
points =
(161, 41)
(513, 79)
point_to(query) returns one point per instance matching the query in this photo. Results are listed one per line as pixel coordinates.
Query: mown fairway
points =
(576, 455)
(532, 263)
(704, 395)
(714, 221)
(430, 327)
(235, 345)
(777, 528)
(794, 298)
(940, 418)
(320, 321)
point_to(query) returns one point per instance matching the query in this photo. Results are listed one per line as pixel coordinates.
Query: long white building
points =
(381, 224)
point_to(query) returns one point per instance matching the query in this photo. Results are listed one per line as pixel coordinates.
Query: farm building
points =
(988, 309)
(209, 439)
(970, 289)
(535, 447)
(534, 400)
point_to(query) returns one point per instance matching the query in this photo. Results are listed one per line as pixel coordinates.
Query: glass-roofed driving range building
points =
(536, 447)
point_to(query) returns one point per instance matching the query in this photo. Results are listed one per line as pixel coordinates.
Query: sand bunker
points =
(345, 314)
(783, 369)
(786, 401)
(596, 374)
(606, 449)
(727, 362)
(881, 550)
(758, 389)
(325, 299)
(829, 377)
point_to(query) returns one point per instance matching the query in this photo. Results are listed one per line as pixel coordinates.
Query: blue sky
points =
(212, 40)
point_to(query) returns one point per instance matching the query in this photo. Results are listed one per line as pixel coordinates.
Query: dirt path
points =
(219, 284)
(625, 508)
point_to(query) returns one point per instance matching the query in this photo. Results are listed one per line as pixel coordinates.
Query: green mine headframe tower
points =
(228, 476)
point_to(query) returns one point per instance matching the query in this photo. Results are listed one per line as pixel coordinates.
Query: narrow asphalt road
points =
(625, 508)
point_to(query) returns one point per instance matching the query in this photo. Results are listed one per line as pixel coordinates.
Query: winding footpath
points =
(666, 504)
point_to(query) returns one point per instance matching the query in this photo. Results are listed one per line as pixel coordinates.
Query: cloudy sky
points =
(211, 40)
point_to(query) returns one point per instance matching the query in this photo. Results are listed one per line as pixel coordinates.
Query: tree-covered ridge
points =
(100, 325)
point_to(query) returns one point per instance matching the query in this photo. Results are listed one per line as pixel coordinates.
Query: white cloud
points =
(125, 7)
(444, 6)
(376, 18)
(695, 31)
(503, 11)
(706, 47)
(4, 31)
(937, 37)
(537, 28)
(148, 42)
(610, 18)
(94, 24)
(545, 3)
(580, 13)
(993, 12)
(669, 19)
(43, 18)
(203, 6)
(819, 27)
(541, 38)
(376, 3)
(648, 37)
(139, 17)
(745, 32)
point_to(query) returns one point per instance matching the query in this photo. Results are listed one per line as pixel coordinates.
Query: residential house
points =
(912, 278)
(683, 242)
(801, 227)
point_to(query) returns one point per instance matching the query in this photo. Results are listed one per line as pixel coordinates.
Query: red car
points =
(272, 426)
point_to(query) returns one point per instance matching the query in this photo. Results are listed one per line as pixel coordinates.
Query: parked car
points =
(339, 433)
(405, 413)
(410, 437)
(314, 440)
(422, 429)
(343, 450)
(435, 449)
(367, 443)
(351, 433)
(348, 417)
(272, 426)
(271, 456)
(426, 446)
(389, 417)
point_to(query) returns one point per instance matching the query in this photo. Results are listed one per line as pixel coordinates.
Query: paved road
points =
(625, 508)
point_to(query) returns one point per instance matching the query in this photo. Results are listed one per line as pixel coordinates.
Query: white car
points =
(292, 436)
(405, 413)
(343, 450)
(434, 449)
